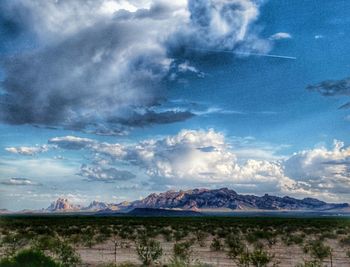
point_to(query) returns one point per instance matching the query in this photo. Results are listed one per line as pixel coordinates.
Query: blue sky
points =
(112, 100)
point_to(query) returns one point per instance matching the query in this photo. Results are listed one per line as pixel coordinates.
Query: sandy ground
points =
(285, 256)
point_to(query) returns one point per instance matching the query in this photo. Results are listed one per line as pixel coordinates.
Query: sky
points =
(111, 100)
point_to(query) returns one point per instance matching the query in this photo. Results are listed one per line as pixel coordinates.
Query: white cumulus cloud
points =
(280, 36)
(27, 150)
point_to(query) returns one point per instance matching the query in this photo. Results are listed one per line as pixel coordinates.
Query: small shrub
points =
(149, 250)
(345, 241)
(260, 258)
(201, 236)
(67, 255)
(244, 259)
(309, 264)
(235, 246)
(183, 251)
(318, 250)
(216, 245)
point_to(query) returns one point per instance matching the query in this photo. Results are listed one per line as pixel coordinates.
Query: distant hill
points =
(162, 212)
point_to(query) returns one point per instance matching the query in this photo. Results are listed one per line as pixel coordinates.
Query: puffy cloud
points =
(280, 36)
(96, 63)
(321, 169)
(97, 173)
(221, 25)
(18, 181)
(27, 150)
(194, 157)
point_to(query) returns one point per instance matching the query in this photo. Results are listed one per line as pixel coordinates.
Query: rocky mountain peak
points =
(62, 204)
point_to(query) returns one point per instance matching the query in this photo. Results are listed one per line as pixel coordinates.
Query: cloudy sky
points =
(111, 100)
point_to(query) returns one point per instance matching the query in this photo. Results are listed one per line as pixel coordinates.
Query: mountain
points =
(62, 205)
(217, 200)
(4, 211)
(225, 199)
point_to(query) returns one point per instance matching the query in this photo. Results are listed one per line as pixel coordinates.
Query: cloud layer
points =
(19, 181)
(102, 65)
(205, 158)
(27, 150)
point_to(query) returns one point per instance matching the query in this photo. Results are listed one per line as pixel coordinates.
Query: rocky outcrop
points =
(62, 205)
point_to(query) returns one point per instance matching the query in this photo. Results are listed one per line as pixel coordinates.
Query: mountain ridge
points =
(222, 199)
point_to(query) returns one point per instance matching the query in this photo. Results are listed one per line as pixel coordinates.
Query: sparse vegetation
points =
(245, 241)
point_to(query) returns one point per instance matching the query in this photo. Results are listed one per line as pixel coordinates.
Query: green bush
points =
(175, 262)
(201, 236)
(318, 250)
(309, 264)
(235, 246)
(293, 239)
(216, 245)
(149, 250)
(124, 264)
(260, 258)
(63, 251)
(345, 241)
(29, 258)
(183, 251)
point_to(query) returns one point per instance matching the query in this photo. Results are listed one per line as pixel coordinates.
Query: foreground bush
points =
(29, 258)
(235, 246)
(310, 264)
(318, 250)
(149, 251)
(182, 252)
(176, 262)
(62, 250)
(260, 258)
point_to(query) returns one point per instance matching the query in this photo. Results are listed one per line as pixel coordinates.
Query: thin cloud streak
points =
(244, 53)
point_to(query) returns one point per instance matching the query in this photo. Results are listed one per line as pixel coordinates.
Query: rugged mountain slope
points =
(225, 198)
(62, 205)
(222, 199)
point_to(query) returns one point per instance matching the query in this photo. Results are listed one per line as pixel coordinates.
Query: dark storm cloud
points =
(332, 87)
(151, 117)
(58, 85)
(92, 65)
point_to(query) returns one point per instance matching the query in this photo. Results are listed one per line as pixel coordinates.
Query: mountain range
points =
(223, 200)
